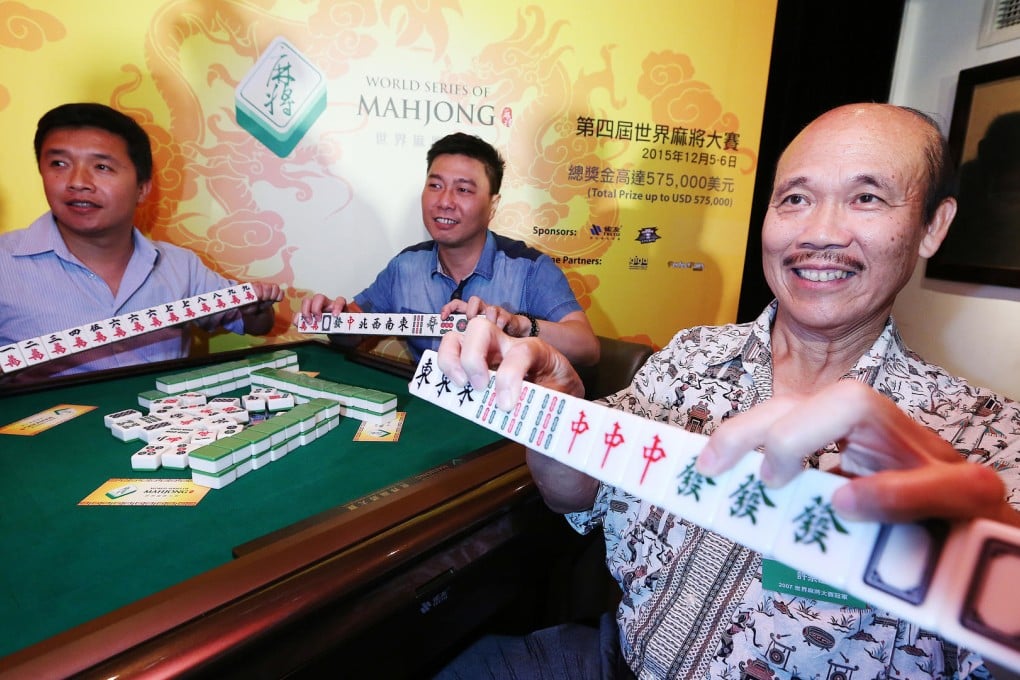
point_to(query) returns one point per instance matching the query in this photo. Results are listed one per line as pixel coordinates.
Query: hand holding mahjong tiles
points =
(74, 340)
(955, 579)
(360, 323)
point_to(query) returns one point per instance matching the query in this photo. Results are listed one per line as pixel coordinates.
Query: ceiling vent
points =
(1001, 22)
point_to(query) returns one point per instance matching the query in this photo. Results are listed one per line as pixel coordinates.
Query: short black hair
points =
(463, 144)
(94, 115)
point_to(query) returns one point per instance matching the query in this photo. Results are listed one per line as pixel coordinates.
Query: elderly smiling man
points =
(858, 197)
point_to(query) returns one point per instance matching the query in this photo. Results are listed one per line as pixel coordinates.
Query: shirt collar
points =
(746, 345)
(44, 237)
(755, 348)
(485, 266)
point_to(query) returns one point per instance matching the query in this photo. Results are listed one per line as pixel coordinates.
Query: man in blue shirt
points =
(467, 269)
(84, 261)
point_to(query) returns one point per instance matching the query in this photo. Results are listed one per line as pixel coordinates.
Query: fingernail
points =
(844, 502)
(707, 463)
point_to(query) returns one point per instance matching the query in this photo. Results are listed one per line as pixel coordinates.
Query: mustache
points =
(823, 257)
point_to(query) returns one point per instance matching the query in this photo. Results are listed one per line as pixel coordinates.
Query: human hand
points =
(319, 303)
(901, 470)
(475, 306)
(258, 317)
(467, 357)
(267, 294)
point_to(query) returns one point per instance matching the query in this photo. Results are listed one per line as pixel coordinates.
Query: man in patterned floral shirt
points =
(859, 196)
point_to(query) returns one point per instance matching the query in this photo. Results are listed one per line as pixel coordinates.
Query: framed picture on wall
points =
(983, 244)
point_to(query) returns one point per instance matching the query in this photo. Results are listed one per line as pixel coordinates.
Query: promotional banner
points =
(290, 136)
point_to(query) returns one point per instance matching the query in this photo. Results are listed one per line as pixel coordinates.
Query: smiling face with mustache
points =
(90, 182)
(845, 224)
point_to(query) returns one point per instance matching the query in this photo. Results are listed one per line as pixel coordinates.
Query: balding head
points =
(908, 130)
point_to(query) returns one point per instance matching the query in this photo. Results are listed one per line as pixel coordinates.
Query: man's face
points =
(456, 203)
(845, 223)
(90, 182)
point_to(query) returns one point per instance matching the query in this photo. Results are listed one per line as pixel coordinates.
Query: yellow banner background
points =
(327, 216)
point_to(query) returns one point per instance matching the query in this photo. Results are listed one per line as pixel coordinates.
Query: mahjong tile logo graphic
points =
(280, 97)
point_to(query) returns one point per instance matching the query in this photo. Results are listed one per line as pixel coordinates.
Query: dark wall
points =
(823, 54)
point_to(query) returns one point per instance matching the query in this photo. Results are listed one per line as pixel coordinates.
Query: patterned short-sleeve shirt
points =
(693, 602)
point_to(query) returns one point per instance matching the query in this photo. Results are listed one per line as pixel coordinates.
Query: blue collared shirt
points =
(44, 288)
(509, 273)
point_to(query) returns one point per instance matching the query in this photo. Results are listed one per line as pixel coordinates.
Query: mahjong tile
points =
(213, 480)
(308, 323)
(118, 327)
(154, 318)
(126, 430)
(752, 513)
(176, 458)
(279, 401)
(186, 309)
(193, 399)
(813, 538)
(11, 359)
(172, 312)
(149, 457)
(126, 414)
(895, 571)
(242, 294)
(219, 300)
(134, 323)
(151, 431)
(198, 305)
(619, 442)
(544, 421)
(978, 594)
(79, 338)
(694, 496)
(34, 351)
(57, 345)
(663, 451)
(100, 333)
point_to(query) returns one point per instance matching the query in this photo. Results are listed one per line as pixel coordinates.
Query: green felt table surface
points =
(64, 564)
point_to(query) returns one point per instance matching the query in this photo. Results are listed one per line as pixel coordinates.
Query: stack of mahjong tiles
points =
(361, 403)
(211, 437)
(219, 378)
(187, 429)
(220, 462)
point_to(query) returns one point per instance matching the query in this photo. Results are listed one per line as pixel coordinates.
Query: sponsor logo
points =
(648, 235)
(605, 232)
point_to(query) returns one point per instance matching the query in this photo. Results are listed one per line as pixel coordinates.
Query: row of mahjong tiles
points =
(219, 378)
